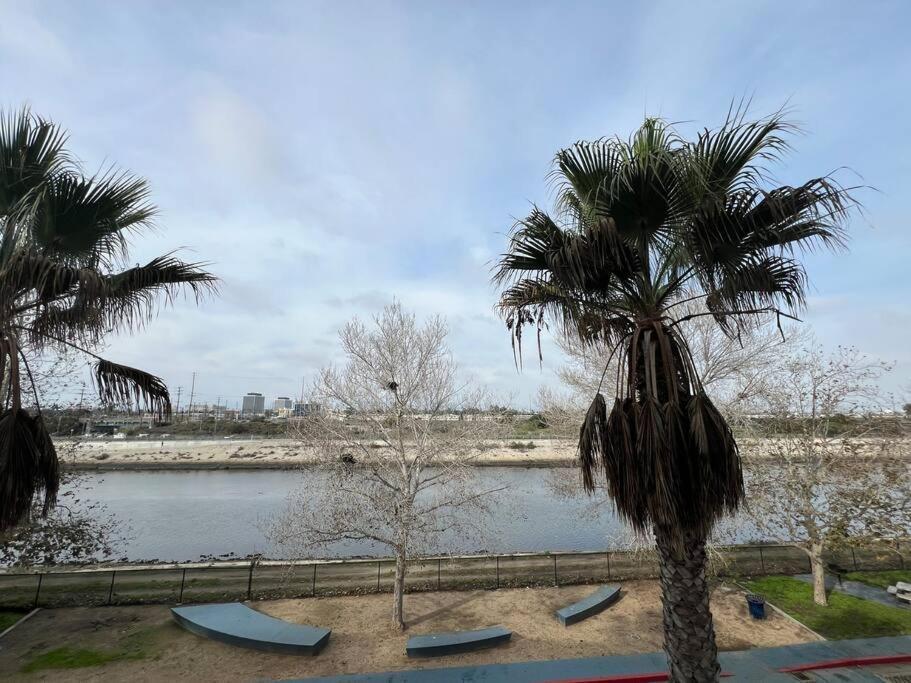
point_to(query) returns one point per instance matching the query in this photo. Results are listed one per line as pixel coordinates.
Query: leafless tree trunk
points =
(819, 573)
(398, 591)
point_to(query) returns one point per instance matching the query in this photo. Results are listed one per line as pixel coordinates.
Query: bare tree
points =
(828, 475)
(412, 481)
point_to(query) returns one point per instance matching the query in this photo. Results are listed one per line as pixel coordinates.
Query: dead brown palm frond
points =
(667, 454)
(123, 384)
(28, 464)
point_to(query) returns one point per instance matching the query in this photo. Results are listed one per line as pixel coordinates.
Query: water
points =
(186, 515)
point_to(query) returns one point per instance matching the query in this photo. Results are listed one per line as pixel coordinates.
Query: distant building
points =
(302, 409)
(282, 403)
(198, 412)
(254, 404)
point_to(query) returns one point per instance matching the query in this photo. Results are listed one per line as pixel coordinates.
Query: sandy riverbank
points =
(246, 453)
(273, 454)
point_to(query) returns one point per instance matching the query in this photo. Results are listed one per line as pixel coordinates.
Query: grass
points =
(882, 579)
(533, 427)
(844, 617)
(138, 644)
(8, 618)
(77, 658)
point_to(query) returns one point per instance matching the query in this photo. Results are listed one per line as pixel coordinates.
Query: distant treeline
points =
(64, 423)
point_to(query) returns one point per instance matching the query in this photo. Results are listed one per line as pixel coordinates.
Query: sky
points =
(327, 157)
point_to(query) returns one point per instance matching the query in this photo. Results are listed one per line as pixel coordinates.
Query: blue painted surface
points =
(760, 664)
(237, 624)
(597, 602)
(439, 644)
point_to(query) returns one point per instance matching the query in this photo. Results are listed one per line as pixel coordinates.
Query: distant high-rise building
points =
(254, 404)
(282, 403)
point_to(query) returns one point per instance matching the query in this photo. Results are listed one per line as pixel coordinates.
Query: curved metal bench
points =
(439, 644)
(237, 624)
(598, 601)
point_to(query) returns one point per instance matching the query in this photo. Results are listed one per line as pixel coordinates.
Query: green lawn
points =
(881, 579)
(8, 618)
(845, 616)
(76, 658)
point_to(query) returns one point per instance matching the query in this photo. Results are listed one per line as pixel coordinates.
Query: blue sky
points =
(327, 157)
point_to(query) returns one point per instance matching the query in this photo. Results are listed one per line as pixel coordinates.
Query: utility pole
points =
(216, 414)
(179, 389)
(192, 391)
(88, 423)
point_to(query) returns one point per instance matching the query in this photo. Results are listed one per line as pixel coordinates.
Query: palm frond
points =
(530, 242)
(735, 155)
(64, 283)
(31, 150)
(28, 465)
(665, 451)
(88, 303)
(759, 282)
(86, 220)
(131, 296)
(120, 384)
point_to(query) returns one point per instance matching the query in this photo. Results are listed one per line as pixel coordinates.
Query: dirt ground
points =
(363, 639)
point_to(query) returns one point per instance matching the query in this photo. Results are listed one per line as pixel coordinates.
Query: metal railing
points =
(255, 580)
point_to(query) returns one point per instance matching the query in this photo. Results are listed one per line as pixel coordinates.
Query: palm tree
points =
(64, 285)
(640, 226)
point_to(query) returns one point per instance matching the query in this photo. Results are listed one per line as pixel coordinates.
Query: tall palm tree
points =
(640, 226)
(65, 284)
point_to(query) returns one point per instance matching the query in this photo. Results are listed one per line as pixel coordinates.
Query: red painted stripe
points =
(653, 677)
(849, 661)
(659, 676)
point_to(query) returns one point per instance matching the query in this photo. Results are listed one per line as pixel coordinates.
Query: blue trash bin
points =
(756, 603)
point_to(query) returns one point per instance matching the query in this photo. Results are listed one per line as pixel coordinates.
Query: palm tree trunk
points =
(689, 636)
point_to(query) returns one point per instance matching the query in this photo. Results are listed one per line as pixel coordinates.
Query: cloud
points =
(239, 144)
(325, 164)
(25, 34)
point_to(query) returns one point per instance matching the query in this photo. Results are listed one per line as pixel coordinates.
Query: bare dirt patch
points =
(363, 638)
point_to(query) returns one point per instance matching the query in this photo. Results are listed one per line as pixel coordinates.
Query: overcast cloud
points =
(327, 157)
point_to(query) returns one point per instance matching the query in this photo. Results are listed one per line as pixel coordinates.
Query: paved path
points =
(858, 590)
(832, 660)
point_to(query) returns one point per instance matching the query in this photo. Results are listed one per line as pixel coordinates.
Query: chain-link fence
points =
(270, 579)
